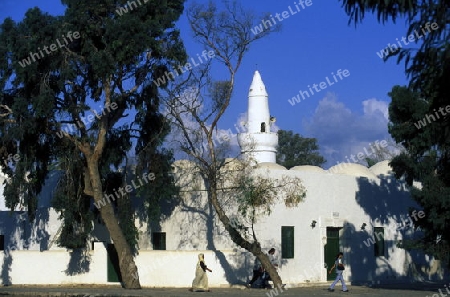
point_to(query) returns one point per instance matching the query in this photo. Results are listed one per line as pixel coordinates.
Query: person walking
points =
(272, 258)
(274, 262)
(257, 272)
(339, 265)
(200, 283)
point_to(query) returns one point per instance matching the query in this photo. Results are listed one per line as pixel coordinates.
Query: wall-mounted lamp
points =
(363, 226)
(313, 224)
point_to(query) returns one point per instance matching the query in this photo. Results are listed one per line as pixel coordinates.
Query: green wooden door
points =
(113, 270)
(331, 250)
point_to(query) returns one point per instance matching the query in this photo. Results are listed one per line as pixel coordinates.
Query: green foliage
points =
(427, 156)
(424, 160)
(294, 150)
(257, 193)
(370, 162)
(220, 90)
(70, 201)
(116, 57)
(428, 64)
(385, 9)
(162, 190)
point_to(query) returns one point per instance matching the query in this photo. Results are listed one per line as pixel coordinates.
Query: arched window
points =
(263, 127)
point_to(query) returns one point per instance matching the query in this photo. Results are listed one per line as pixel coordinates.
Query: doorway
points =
(331, 249)
(113, 269)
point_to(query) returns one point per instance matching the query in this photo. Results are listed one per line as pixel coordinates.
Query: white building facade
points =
(360, 211)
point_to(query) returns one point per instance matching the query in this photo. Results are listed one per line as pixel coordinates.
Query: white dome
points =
(309, 168)
(352, 169)
(382, 168)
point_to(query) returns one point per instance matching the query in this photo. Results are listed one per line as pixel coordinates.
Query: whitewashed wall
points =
(177, 268)
(341, 199)
(49, 267)
(156, 268)
(347, 198)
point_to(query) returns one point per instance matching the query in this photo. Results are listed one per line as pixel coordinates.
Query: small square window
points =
(159, 240)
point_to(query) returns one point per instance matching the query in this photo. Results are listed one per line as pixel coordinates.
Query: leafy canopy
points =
(295, 150)
(112, 63)
(427, 156)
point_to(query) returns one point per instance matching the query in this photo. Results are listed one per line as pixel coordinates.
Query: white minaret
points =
(259, 143)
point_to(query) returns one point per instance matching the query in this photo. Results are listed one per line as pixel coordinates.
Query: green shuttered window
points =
(287, 242)
(379, 241)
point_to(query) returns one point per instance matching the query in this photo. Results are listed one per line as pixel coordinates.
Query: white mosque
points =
(360, 211)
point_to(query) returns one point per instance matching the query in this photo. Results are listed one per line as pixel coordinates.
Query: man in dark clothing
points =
(257, 272)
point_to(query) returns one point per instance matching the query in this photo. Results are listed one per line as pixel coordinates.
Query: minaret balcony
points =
(260, 141)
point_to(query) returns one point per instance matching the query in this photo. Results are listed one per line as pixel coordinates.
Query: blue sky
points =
(311, 45)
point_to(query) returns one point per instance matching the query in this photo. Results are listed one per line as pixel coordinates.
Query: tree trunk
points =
(271, 270)
(127, 266)
(236, 237)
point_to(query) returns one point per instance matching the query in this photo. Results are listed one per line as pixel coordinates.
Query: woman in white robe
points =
(200, 282)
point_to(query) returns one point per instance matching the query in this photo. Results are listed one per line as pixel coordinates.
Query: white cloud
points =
(374, 107)
(341, 132)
